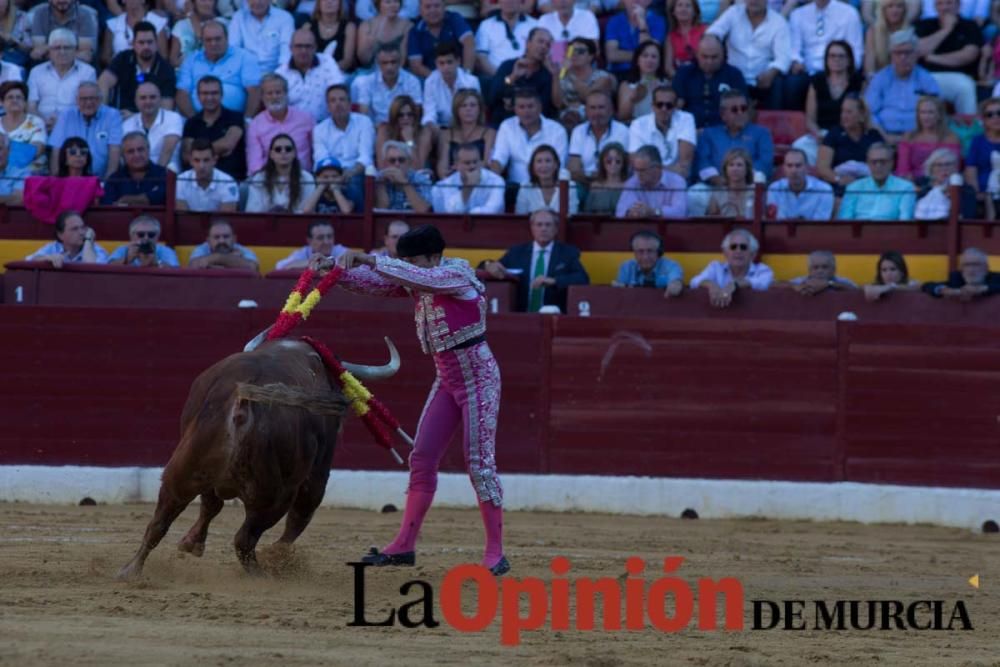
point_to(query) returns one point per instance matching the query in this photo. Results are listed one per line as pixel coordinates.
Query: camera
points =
(146, 248)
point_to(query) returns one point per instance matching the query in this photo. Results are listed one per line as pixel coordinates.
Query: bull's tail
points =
(325, 403)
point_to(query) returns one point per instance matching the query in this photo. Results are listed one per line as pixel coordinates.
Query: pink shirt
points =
(912, 155)
(298, 125)
(685, 49)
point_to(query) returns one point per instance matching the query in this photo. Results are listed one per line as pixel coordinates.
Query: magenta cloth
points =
(298, 125)
(46, 197)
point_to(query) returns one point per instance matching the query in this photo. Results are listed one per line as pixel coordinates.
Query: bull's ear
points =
(257, 340)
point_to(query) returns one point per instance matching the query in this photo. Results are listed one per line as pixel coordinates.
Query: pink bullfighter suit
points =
(450, 316)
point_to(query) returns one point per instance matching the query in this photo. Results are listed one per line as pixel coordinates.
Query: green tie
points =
(536, 294)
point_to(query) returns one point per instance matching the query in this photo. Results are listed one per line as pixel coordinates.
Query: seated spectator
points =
(403, 125)
(736, 132)
(949, 48)
(319, 241)
(589, 138)
(629, 28)
(502, 37)
(650, 268)
(26, 131)
(701, 84)
(471, 188)
(97, 124)
(139, 64)
(282, 184)
(373, 93)
(400, 187)
(891, 274)
(16, 38)
(652, 191)
(532, 71)
(931, 133)
(121, 29)
(544, 268)
(758, 43)
(366, 9)
(822, 276)
(934, 198)
(330, 184)
(143, 248)
(685, 33)
(186, 33)
(386, 30)
(237, 70)
(973, 279)
(440, 88)
(518, 137)
(893, 16)
(668, 128)
(75, 159)
(393, 231)
(606, 188)
(265, 31)
(70, 16)
(204, 188)
(52, 85)
(221, 251)
(578, 76)
(542, 189)
(739, 271)
(880, 196)
(893, 92)
(73, 187)
(336, 32)
(349, 138)
(278, 118)
(434, 28)
(827, 91)
(843, 156)
(162, 127)
(468, 125)
(814, 27)
(647, 73)
(74, 243)
(139, 182)
(799, 196)
(223, 127)
(308, 75)
(567, 24)
(979, 159)
(734, 198)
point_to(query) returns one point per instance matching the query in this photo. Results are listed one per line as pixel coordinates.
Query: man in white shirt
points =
(52, 85)
(670, 129)
(799, 196)
(309, 75)
(502, 37)
(518, 137)
(162, 127)
(263, 30)
(589, 138)
(350, 138)
(566, 23)
(738, 272)
(813, 26)
(204, 188)
(374, 92)
(471, 189)
(441, 86)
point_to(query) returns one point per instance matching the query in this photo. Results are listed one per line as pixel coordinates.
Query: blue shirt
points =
(268, 39)
(204, 250)
(893, 101)
(422, 43)
(627, 36)
(864, 200)
(813, 203)
(664, 272)
(101, 132)
(979, 156)
(237, 69)
(12, 179)
(715, 142)
(57, 248)
(153, 185)
(164, 256)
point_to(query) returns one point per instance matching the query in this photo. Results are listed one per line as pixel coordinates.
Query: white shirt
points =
(487, 197)
(55, 94)
(582, 23)
(935, 205)
(752, 51)
(168, 123)
(584, 145)
(513, 147)
(269, 39)
(122, 35)
(438, 96)
(308, 91)
(644, 131)
(493, 42)
(222, 190)
(371, 91)
(759, 275)
(258, 200)
(838, 20)
(530, 198)
(353, 145)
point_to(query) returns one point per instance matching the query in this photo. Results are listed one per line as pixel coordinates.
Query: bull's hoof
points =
(501, 568)
(129, 572)
(196, 549)
(379, 559)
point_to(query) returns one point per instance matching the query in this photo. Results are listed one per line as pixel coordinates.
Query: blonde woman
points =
(932, 133)
(892, 15)
(468, 126)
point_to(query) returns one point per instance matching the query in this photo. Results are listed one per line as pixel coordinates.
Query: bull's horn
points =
(257, 340)
(376, 372)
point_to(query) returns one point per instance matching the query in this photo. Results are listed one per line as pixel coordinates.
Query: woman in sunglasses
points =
(282, 185)
(403, 125)
(579, 75)
(635, 94)
(74, 158)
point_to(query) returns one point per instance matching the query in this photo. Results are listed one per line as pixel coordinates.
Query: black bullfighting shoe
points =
(379, 559)
(501, 568)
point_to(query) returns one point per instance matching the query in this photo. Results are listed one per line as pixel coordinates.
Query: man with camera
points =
(143, 249)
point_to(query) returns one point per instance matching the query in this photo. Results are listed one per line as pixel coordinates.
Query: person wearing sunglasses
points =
(567, 23)
(403, 125)
(144, 249)
(579, 76)
(282, 184)
(979, 159)
(738, 271)
(668, 128)
(813, 27)
(278, 118)
(399, 187)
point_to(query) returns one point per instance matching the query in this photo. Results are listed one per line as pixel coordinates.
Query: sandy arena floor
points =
(59, 603)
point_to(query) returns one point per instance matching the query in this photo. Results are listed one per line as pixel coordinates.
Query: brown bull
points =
(259, 426)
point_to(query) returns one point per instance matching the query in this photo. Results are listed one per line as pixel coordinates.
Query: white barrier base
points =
(711, 499)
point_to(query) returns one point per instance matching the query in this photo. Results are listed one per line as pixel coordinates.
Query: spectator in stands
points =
(978, 161)
(440, 88)
(686, 30)
(336, 32)
(880, 196)
(11, 176)
(814, 27)
(578, 76)
(822, 276)
(934, 197)
(141, 63)
(736, 131)
(518, 137)
(590, 137)
(97, 124)
(629, 28)
(52, 85)
(204, 188)
(143, 248)
(350, 138)
(373, 93)
(891, 274)
(734, 198)
(533, 70)
(282, 184)
(799, 196)
(330, 188)
(701, 84)
(606, 188)
(843, 156)
(278, 118)
(893, 16)
(221, 251)
(74, 159)
(393, 231)
(668, 128)
(72, 17)
(186, 33)
(930, 134)
(404, 125)
(893, 92)
(739, 271)
(15, 37)
(652, 191)
(162, 127)
(758, 43)
(650, 268)
(366, 9)
(973, 279)
(542, 190)
(471, 188)
(319, 241)
(75, 243)
(468, 125)
(502, 37)
(647, 73)
(387, 30)
(140, 182)
(827, 91)
(221, 126)
(400, 187)
(237, 69)
(26, 131)
(308, 75)
(567, 24)
(435, 27)
(119, 37)
(265, 31)
(544, 268)
(949, 48)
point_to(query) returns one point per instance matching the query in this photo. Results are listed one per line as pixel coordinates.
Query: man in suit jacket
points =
(973, 279)
(559, 266)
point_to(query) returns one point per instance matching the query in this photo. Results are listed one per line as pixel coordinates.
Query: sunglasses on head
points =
(146, 235)
(664, 105)
(738, 108)
(77, 150)
(283, 149)
(739, 246)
